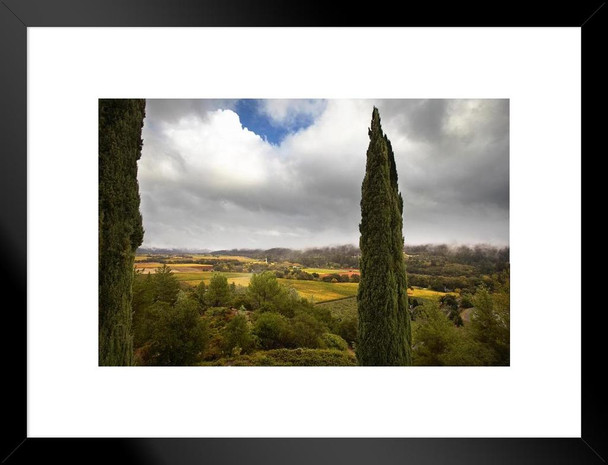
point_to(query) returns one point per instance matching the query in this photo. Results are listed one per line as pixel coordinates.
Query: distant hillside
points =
(428, 259)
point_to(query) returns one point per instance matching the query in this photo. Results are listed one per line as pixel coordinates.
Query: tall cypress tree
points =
(384, 323)
(120, 224)
(403, 313)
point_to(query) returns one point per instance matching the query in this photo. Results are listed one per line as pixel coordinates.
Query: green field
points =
(340, 309)
(348, 307)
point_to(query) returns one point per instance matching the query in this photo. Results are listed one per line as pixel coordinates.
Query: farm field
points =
(348, 306)
(319, 291)
(150, 267)
(341, 309)
(316, 291)
(147, 266)
(194, 278)
(326, 271)
(421, 293)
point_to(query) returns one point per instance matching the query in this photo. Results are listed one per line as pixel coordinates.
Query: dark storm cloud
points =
(207, 182)
(454, 166)
(418, 119)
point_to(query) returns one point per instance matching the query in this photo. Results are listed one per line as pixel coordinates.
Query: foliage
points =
(306, 330)
(466, 300)
(176, 334)
(348, 329)
(333, 341)
(384, 323)
(450, 303)
(434, 337)
(449, 300)
(272, 330)
(490, 323)
(290, 357)
(165, 286)
(239, 296)
(344, 318)
(237, 335)
(264, 290)
(199, 294)
(485, 341)
(143, 297)
(120, 225)
(218, 293)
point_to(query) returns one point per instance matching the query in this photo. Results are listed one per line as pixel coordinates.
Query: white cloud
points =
(220, 150)
(286, 112)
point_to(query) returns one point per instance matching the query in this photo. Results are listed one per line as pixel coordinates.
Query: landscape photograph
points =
(304, 232)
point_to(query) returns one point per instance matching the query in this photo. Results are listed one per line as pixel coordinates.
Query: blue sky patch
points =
(254, 118)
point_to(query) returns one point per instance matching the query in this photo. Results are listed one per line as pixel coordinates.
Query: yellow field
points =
(147, 266)
(324, 271)
(319, 291)
(426, 293)
(239, 281)
(197, 277)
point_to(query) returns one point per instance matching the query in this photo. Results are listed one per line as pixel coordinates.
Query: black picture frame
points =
(16, 16)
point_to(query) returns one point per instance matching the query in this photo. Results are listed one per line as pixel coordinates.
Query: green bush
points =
(272, 330)
(333, 341)
(466, 301)
(218, 294)
(264, 289)
(290, 357)
(490, 322)
(216, 312)
(434, 337)
(306, 330)
(176, 334)
(165, 285)
(237, 336)
(347, 329)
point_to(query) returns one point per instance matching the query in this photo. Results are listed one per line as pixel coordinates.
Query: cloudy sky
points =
(222, 174)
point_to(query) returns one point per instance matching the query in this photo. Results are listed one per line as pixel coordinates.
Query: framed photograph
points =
(266, 82)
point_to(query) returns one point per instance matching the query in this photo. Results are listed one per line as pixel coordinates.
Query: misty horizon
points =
(452, 246)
